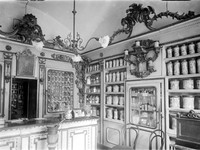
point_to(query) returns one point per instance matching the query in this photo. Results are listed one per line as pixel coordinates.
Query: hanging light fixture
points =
(73, 42)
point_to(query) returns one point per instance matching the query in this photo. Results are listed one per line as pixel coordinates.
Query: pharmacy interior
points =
(126, 85)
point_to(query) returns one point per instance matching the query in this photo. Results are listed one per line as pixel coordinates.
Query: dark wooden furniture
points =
(188, 130)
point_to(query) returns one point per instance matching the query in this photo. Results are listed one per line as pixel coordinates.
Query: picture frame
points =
(25, 64)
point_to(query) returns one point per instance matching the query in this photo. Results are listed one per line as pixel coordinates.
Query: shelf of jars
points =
(182, 81)
(114, 77)
(93, 88)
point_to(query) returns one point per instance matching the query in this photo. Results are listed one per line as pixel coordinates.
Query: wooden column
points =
(7, 84)
(42, 91)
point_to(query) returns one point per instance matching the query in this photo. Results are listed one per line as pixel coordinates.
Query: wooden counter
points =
(79, 133)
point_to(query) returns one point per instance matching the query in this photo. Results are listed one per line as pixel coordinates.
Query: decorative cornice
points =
(61, 57)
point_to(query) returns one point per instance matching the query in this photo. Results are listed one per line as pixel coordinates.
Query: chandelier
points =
(73, 42)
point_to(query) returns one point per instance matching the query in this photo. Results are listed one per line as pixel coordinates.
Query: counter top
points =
(17, 124)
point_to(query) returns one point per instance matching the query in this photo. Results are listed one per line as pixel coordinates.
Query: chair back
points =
(132, 131)
(156, 140)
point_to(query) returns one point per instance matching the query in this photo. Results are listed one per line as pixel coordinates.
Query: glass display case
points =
(143, 106)
(145, 103)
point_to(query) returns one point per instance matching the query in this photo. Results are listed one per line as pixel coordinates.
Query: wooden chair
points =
(132, 144)
(157, 139)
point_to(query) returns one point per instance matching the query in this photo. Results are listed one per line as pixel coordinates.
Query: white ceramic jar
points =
(175, 102)
(176, 51)
(183, 50)
(109, 100)
(188, 84)
(169, 52)
(174, 84)
(115, 100)
(188, 102)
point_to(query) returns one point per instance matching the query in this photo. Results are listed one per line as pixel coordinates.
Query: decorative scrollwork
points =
(190, 115)
(26, 30)
(138, 14)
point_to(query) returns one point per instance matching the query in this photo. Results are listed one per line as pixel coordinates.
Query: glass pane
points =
(143, 106)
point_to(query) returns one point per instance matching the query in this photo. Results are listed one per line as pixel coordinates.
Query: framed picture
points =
(26, 64)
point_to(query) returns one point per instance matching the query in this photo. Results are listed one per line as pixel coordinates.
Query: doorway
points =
(23, 98)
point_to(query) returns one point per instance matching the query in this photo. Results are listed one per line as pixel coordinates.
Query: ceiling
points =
(94, 18)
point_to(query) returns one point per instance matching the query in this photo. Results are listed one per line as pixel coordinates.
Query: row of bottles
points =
(93, 89)
(92, 99)
(182, 50)
(115, 100)
(94, 79)
(184, 101)
(116, 114)
(115, 76)
(183, 67)
(93, 68)
(115, 88)
(190, 83)
(118, 62)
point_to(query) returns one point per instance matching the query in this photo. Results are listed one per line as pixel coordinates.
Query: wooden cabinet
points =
(182, 62)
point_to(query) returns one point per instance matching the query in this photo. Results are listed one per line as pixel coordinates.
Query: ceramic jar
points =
(116, 88)
(109, 100)
(88, 80)
(169, 68)
(169, 52)
(121, 88)
(184, 67)
(121, 100)
(191, 48)
(115, 114)
(177, 68)
(115, 100)
(188, 102)
(109, 113)
(97, 99)
(113, 77)
(117, 77)
(121, 115)
(106, 78)
(198, 47)
(198, 65)
(198, 84)
(176, 51)
(192, 66)
(110, 77)
(188, 84)
(109, 88)
(121, 76)
(183, 50)
(174, 84)
(121, 62)
(175, 102)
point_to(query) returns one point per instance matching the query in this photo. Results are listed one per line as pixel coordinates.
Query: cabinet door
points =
(37, 142)
(10, 143)
(112, 133)
(82, 138)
